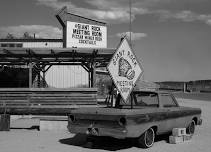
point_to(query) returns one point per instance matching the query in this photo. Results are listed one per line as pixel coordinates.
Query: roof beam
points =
(7, 52)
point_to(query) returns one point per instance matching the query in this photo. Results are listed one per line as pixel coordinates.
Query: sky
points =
(171, 38)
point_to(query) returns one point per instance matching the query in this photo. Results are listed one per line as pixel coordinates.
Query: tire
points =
(191, 128)
(146, 140)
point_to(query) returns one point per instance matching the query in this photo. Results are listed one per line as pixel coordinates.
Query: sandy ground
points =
(21, 140)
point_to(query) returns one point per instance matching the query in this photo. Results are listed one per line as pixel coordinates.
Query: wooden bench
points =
(14, 99)
(32, 101)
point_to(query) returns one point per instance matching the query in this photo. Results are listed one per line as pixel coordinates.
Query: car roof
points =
(152, 91)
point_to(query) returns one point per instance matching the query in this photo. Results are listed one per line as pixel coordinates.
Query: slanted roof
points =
(51, 56)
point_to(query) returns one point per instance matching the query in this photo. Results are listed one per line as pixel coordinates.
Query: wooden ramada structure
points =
(44, 101)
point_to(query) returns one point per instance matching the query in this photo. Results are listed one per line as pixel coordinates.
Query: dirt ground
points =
(22, 140)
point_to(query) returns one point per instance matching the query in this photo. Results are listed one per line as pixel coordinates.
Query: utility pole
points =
(130, 25)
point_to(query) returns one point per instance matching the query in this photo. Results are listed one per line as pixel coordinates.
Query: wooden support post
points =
(93, 75)
(131, 99)
(44, 79)
(30, 75)
(38, 79)
(89, 75)
(64, 37)
(92, 78)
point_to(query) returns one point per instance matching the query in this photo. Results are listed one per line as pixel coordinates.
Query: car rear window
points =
(140, 99)
(146, 99)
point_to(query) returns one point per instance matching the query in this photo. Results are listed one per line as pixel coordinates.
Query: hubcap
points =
(149, 137)
(192, 128)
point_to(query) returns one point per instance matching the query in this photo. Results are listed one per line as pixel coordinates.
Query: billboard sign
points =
(125, 69)
(86, 35)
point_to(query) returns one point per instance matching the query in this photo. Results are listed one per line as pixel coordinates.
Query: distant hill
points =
(191, 86)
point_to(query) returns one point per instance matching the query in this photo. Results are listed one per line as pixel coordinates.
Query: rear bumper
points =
(119, 133)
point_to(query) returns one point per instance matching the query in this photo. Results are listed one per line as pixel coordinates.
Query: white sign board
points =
(86, 35)
(124, 69)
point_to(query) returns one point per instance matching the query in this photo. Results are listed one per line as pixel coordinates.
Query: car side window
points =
(167, 100)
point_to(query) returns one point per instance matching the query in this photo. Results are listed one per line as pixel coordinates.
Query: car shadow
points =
(164, 137)
(105, 143)
(102, 143)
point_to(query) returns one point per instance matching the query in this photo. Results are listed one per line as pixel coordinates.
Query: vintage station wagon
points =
(145, 115)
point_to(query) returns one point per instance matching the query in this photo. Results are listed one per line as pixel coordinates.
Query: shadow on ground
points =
(29, 128)
(164, 137)
(104, 143)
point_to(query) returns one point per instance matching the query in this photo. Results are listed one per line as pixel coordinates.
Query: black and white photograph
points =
(105, 75)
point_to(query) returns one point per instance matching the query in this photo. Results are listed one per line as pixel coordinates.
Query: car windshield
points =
(140, 99)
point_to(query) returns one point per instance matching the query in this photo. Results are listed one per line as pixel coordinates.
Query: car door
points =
(173, 112)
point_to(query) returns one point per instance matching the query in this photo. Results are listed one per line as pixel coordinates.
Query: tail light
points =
(122, 121)
(72, 118)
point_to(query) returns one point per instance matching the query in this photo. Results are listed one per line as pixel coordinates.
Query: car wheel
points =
(146, 140)
(191, 128)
